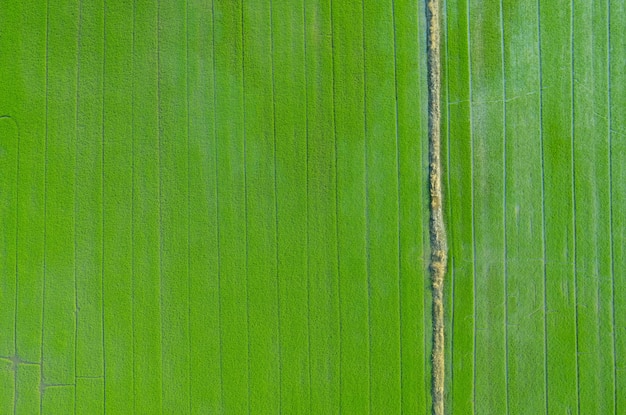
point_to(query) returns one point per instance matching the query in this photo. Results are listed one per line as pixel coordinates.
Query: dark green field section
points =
(536, 199)
(221, 207)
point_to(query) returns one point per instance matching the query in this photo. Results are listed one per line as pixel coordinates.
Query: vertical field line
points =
(472, 198)
(160, 197)
(543, 211)
(245, 197)
(504, 207)
(612, 240)
(76, 313)
(573, 159)
(438, 241)
(45, 215)
(336, 161)
(367, 227)
(308, 276)
(279, 304)
(132, 207)
(217, 210)
(104, 49)
(17, 232)
(189, 277)
(276, 252)
(399, 228)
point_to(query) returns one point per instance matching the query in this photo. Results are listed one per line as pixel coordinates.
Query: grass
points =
(213, 206)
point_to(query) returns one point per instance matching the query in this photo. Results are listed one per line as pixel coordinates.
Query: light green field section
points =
(219, 207)
(535, 127)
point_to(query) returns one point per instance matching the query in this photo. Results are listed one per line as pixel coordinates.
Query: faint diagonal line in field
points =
(495, 101)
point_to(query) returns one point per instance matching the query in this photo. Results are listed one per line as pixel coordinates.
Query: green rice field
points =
(222, 207)
(213, 207)
(536, 192)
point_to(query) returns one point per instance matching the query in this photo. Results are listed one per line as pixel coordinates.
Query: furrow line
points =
(543, 212)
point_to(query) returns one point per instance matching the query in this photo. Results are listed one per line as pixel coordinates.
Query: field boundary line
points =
(438, 240)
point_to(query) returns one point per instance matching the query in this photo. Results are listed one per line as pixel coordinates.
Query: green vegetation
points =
(217, 206)
(213, 206)
(535, 188)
